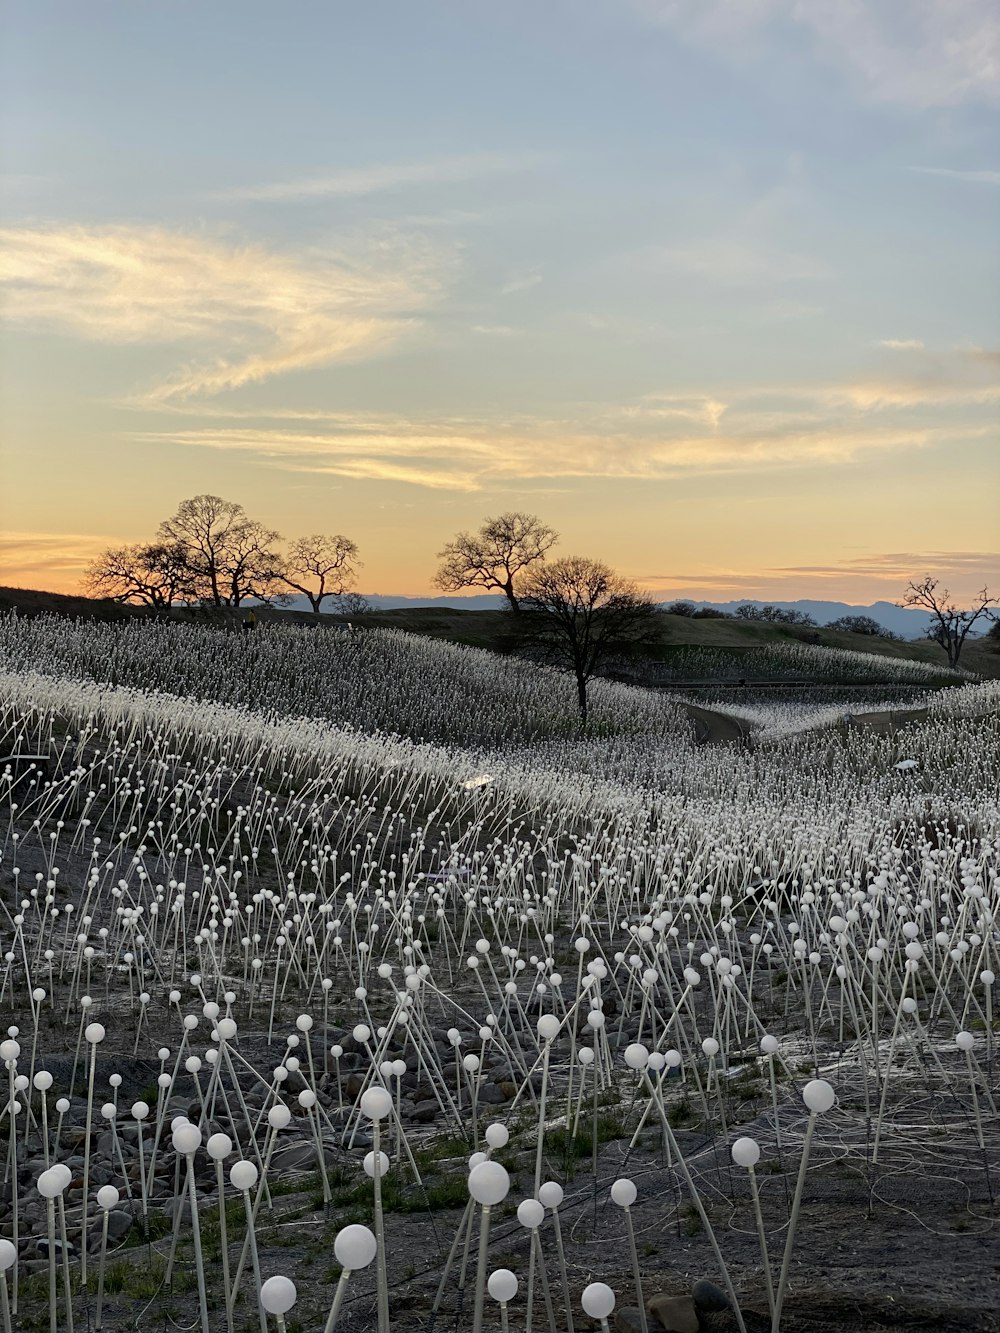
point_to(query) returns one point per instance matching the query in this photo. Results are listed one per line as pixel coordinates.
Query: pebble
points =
(676, 1314)
(708, 1297)
(628, 1319)
(119, 1225)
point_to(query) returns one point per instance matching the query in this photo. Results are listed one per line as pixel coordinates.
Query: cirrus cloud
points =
(251, 312)
(925, 53)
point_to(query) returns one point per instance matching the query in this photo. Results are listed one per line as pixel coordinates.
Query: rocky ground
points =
(909, 1245)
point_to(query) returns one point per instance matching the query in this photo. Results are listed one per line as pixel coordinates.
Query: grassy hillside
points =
(488, 629)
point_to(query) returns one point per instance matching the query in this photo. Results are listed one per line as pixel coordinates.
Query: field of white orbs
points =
(345, 986)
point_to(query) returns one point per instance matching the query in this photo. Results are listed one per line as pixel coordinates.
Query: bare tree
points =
(354, 604)
(250, 566)
(950, 626)
(580, 613)
(775, 615)
(497, 556)
(320, 567)
(861, 625)
(152, 574)
(230, 556)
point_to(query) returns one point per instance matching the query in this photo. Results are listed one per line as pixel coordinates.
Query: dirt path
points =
(711, 728)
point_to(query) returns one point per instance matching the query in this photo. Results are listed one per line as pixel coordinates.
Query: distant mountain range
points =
(900, 620)
(909, 623)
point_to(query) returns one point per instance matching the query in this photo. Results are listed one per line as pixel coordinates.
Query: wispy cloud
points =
(925, 53)
(378, 178)
(478, 456)
(687, 407)
(733, 261)
(861, 579)
(902, 344)
(936, 399)
(953, 173)
(252, 312)
(521, 282)
(56, 559)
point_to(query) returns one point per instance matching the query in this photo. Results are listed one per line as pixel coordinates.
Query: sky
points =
(709, 285)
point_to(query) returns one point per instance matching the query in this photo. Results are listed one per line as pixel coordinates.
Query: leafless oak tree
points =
(152, 574)
(320, 566)
(497, 557)
(950, 625)
(580, 613)
(230, 556)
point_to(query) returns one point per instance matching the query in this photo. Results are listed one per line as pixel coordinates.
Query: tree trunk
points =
(314, 601)
(508, 590)
(581, 694)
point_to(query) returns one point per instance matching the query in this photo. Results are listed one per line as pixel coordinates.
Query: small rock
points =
(295, 1157)
(676, 1314)
(491, 1094)
(303, 1157)
(42, 1248)
(628, 1319)
(119, 1225)
(708, 1297)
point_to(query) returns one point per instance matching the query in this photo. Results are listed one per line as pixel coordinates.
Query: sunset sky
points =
(710, 285)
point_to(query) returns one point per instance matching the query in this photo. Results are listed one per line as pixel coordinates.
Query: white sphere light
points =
(219, 1146)
(354, 1248)
(497, 1135)
(376, 1104)
(277, 1295)
(530, 1214)
(818, 1096)
(598, 1300)
(186, 1139)
(624, 1193)
(489, 1184)
(243, 1176)
(49, 1184)
(502, 1285)
(550, 1194)
(279, 1116)
(548, 1027)
(107, 1197)
(383, 1165)
(636, 1056)
(61, 1172)
(746, 1152)
(8, 1254)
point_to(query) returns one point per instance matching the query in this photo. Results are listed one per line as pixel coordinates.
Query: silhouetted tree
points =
(353, 604)
(152, 574)
(498, 556)
(579, 612)
(320, 567)
(950, 625)
(775, 615)
(229, 556)
(861, 625)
